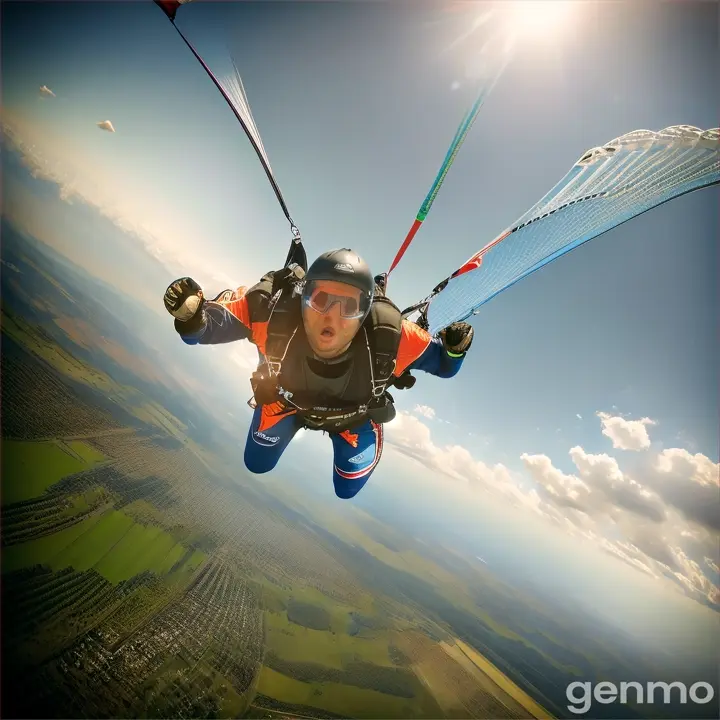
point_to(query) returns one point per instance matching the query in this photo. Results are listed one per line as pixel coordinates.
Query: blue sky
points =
(356, 107)
(355, 148)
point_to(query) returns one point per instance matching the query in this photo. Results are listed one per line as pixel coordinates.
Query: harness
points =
(276, 300)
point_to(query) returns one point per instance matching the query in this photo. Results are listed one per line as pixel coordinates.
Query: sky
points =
(588, 401)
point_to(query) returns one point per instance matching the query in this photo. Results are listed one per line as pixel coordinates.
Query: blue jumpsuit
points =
(357, 452)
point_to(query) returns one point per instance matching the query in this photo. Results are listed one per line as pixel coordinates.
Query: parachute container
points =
(606, 187)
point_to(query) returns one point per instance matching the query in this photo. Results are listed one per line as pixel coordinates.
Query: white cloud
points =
(106, 125)
(627, 552)
(578, 416)
(413, 438)
(691, 483)
(648, 533)
(626, 434)
(45, 90)
(598, 489)
(557, 487)
(425, 410)
(603, 474)
(690, 575)
(698, 468)
(411, 435)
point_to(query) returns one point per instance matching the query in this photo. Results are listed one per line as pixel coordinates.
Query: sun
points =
(543, 19)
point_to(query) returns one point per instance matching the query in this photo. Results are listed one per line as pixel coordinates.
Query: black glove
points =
(286, 277)
(457, 338)
(405, 381)
(184, 300)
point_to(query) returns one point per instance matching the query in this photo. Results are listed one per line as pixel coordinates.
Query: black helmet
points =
(344, 266)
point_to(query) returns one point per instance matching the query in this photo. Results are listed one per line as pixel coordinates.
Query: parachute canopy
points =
(607, 186)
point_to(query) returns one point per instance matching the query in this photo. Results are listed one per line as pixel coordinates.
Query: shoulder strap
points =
(384, 329)
(283, 314)
(264, 295)
(259, 296)
(282, 325)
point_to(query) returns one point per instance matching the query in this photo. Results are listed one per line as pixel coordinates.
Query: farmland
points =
(144, 576)
(136, 582)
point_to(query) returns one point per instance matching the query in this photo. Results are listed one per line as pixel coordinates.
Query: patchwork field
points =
(142, 576)
(337, 698)
(117, 552)
(295, 643)
(29, 468)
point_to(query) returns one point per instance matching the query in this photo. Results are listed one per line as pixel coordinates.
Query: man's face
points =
(328, 332)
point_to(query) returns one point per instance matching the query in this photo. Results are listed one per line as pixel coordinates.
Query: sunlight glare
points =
(540, 18)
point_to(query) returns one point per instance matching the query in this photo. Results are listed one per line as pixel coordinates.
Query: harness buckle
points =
(284, 393)
(378, 389)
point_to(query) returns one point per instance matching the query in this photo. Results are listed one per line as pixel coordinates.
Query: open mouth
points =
(328, 333)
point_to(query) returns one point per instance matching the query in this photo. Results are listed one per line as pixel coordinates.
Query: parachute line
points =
(459, 138)
(606, 187)
(233, 92)
(241, 110)
(233, 86)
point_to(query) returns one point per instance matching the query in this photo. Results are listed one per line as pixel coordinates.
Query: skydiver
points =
(329, 344)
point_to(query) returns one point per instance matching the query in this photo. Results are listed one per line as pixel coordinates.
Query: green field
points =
(89, 454)
(351, 675)
(330, 650)
(39, 344)
(29, 468)
(112, 543)
(276, 598)
(334, 697)
(299, 644)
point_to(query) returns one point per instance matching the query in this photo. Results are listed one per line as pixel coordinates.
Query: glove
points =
(405, 381)
(287, 277)
(457, 338)
(184, 301)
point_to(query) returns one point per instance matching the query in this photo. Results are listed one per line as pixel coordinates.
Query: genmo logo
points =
(582, 694)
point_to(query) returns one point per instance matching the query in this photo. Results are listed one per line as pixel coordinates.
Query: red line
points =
(476, 260)
(415, 227)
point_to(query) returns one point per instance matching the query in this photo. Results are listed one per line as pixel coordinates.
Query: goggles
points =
(321, 300)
